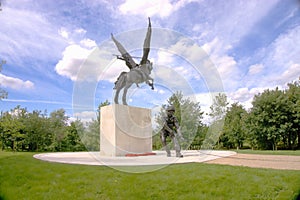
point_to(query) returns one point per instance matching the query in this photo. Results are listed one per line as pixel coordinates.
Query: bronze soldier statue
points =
(171, 129)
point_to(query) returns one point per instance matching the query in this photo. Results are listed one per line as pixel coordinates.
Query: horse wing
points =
(125, 55)
(146, 48)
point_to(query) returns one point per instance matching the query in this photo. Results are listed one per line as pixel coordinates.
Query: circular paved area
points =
(94, 158)
(160, 159)
(260, 161)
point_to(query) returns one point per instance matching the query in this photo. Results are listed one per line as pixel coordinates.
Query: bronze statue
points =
(138, 73)
(171, 129)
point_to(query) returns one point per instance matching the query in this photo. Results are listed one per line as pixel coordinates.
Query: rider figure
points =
(171, 128)
(137, 67)
(143, 69)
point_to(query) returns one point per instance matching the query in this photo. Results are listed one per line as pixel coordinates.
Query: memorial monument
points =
(127, 130)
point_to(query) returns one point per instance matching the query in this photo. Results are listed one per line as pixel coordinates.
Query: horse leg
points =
(120, 84)
(125, 93)
(117, 96)
(151, 83)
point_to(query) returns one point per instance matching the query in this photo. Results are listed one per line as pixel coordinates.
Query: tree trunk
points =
(299, 139)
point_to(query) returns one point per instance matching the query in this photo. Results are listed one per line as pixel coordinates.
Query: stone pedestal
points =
(125, 130)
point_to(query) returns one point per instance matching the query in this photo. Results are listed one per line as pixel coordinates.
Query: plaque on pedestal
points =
(125, 130)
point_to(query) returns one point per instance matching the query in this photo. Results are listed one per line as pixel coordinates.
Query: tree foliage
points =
(275, 118)
(219, 107)
(21, 130)
(273, 121)
(233, 135)
(217, 113)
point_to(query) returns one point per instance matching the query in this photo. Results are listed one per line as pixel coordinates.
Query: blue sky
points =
(59, 53)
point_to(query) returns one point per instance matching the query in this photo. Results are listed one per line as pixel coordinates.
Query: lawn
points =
(23, 177)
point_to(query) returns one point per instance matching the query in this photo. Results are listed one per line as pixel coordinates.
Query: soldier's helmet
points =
(171, 108)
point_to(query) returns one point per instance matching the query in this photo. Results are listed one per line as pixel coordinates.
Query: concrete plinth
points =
(125, 130)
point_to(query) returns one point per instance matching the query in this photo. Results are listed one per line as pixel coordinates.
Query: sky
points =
(59, 54)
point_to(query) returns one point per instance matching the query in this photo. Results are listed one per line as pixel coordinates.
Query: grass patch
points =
(269, 152)
(23, 177)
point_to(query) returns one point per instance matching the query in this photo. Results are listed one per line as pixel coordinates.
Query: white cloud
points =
(170, 78)
(73, 57)
(15, 83)
(161, 91)
(292, 73)
(188, 49)
(164, 58)
(82, 60)
(244, 95)
(85, 115)
(149, 8)
(112, 71)
(286, 48)
(88, 43)
(171, 59)
(188, 60)
(232, 21)
(255, 69)
(64, 33)
(86, 62)
(225, 64)
(281, 62)
(28, 35)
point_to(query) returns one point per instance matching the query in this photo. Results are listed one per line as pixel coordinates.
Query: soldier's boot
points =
(168, 153)
(179, 155)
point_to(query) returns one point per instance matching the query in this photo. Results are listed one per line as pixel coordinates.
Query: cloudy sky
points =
(59, 54)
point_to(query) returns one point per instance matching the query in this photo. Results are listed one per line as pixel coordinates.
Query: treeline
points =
(21, 130)
(272, 123)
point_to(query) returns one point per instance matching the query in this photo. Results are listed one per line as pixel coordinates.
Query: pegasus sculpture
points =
(138, 73)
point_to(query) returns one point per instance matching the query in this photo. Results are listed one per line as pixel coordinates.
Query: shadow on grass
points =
(296, 198)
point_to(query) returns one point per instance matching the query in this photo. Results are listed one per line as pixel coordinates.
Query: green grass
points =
(23, 177)
(269, 152)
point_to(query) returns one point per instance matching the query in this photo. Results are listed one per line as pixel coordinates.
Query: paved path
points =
(94, 158)
(260, 161)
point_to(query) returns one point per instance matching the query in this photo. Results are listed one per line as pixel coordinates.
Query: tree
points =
(58, 121)
(233, 131)
(105, 103)
(293, 102)
(217, 113)
(73, 140)
(13, 129)
(91, 137)
(270, 114)
(219, 107)
(39, 135)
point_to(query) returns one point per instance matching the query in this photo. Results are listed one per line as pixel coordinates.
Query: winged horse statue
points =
(138, 73)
